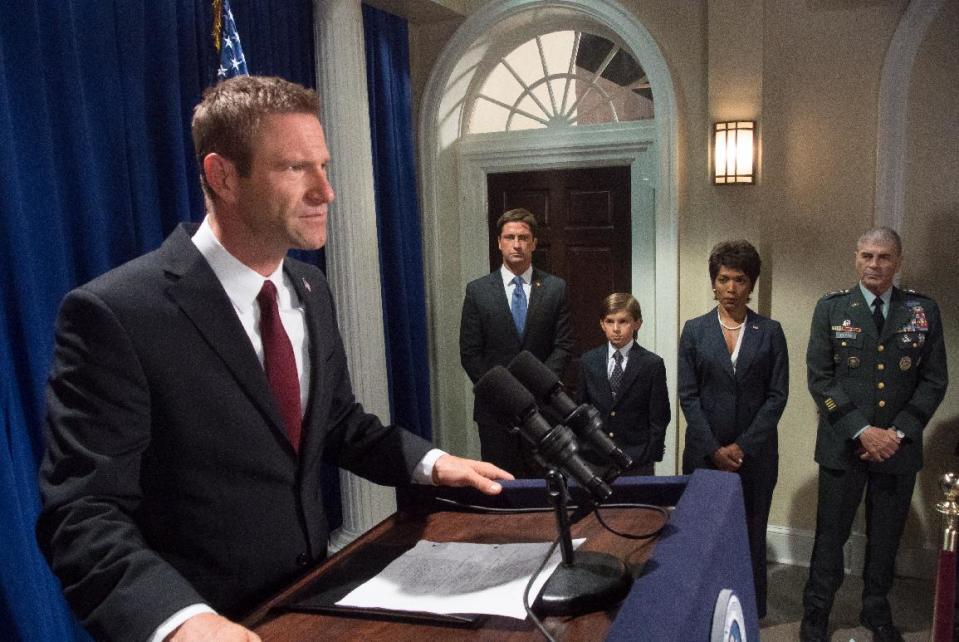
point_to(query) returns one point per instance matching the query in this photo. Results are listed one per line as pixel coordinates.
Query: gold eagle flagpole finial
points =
(217, 23)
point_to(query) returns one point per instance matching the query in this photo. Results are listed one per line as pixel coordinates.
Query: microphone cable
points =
(538, 623)
(492, 510)
(651, 534)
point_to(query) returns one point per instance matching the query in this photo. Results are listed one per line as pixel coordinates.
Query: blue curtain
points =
(398, 219)
(96, 167)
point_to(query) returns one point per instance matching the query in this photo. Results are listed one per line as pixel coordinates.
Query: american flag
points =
(227, 41)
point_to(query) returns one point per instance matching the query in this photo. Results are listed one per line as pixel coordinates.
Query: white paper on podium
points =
(456, 577)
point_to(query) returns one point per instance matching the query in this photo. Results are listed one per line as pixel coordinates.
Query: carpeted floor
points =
(911, 606)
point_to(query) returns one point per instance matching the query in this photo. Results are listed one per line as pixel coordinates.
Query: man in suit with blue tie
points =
(512, 309)
(876, 367)
(626, 383)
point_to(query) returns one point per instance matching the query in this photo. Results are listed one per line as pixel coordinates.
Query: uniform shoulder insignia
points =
(836, 293)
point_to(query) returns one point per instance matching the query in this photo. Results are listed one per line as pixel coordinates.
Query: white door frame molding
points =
(891, 140)
(627, 144)
(453, 170)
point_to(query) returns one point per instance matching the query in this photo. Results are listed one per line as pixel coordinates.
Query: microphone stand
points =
(585, 581)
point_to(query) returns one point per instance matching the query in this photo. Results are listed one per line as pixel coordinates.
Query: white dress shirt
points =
(509, 286)
(870, 297)
(612, 350)
(242, 285)
(739, 338)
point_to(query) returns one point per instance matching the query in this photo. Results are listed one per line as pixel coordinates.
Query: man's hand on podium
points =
(450, 470)
(210, 627)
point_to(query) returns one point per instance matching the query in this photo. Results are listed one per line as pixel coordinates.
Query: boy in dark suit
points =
(626, 383)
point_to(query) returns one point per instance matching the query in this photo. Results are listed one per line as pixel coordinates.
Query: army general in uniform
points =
(876, 366)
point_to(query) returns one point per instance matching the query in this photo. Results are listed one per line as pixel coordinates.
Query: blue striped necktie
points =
(518, 304)
(616, 376)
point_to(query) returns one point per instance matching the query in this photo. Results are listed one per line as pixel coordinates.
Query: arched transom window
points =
(562, 79)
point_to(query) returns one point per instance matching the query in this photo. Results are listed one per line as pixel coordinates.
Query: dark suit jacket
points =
(722, 406)
(637, 418)
(488, 336)
(847, 360)
(168, 479)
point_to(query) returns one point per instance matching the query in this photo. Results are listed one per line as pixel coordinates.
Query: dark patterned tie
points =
(616, 376)
(877, 314)
(279, 363)
(518, 304)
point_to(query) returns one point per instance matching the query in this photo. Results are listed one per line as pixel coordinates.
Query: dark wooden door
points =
(583, 237)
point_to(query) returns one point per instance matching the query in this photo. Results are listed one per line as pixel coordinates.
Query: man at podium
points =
(196, 390)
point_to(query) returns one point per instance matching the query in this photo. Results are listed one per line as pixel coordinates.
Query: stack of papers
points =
(453, 577)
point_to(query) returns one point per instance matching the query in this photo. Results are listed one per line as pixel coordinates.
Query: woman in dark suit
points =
(733, 384)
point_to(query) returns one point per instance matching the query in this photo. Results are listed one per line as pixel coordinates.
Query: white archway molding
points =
(455, 244)
(891, 145)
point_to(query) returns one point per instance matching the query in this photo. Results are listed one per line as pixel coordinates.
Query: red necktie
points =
(279, 363)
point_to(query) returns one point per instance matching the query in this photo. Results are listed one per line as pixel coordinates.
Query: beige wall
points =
(820, 69)
(931, 231)
(426, 43)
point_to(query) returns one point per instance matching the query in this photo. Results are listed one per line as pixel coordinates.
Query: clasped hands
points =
(878, 444)
(728, 458)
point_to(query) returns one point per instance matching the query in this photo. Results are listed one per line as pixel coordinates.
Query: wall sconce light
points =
(734, 153)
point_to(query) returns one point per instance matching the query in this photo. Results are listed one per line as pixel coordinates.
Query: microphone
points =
(583, 419)
(513, 405)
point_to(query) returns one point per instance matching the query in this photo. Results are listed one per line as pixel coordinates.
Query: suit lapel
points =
(899, 314)
(716, 345)
(629, 374)
(596, 363)
(535, 298)
(306, 291)
(752, 337)
(201, 297)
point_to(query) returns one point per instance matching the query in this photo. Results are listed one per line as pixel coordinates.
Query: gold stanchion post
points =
(943, 613)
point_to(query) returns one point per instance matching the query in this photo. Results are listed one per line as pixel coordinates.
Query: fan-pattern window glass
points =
(562, 79)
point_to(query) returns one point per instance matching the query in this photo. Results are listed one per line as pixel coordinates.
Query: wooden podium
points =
(678, 575)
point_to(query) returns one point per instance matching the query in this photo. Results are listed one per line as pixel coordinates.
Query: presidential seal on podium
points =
(728, 622)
